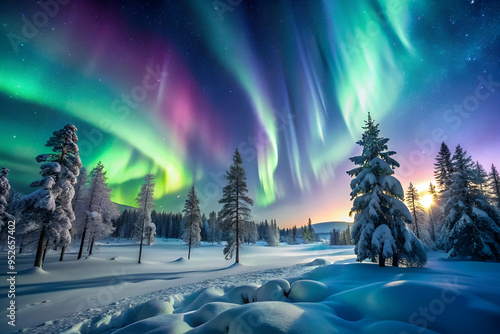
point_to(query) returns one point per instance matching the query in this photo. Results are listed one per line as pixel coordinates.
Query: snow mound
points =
(318, 262)
(308, 291)
(180, 260)
(120, 319)
(34, 271)
(313, 304)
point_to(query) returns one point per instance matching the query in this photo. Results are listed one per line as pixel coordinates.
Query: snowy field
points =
(285, 289)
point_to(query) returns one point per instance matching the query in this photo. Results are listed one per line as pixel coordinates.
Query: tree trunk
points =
(40, 249)
(433, 234)
(45, 250)
(144, 222)
(237, 222)
(415, 214)
(395, 260)
(91, 245)
(189, 251)
(61, 258)
(21, 247)
(83, 240)
(237, 240)
(142, 239)
(381, 260)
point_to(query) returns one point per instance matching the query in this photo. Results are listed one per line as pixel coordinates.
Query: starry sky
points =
(173, 87)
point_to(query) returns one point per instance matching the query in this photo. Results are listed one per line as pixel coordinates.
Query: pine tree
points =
(214, 227)
(5, 217)
(420, 217)
(481, 176)
(145, 228)
(434, 211)
(415, 206)
(271, 233)
(379, 230)
(94, 208)
(311, 230)
(494, 185)
(472, 224)
(192, 221)
(443, 168)
(50, 208)
(235, 213)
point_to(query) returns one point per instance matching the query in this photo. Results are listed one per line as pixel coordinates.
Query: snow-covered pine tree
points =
(94, 208)
(494, 186)
(379, 230)
(420, 217)
(145, 228)
(49, 209)
(481, 176)
(472, 224)
(5, 217)
(435, 212)
(416, 208)
(271, 236)
(107, 213)
(235, 213)
(251, 234)
(81, 189)
(192, 221)
(214, 235)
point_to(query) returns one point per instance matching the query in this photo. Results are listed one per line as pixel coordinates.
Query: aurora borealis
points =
(173, 87)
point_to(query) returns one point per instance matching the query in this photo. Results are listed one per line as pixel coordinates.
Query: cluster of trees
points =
(339, 237)
(294, 235)
(466, 213)
(463, 219)
(70, 204)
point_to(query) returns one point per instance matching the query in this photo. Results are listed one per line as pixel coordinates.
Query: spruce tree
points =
(145, 228)
(472, 224)
(443, 168)
(380, 216)
(192, 221)
(235, 213)
(494, 186)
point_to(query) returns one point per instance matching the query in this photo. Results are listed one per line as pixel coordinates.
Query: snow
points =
(285, 289)
(382, 240)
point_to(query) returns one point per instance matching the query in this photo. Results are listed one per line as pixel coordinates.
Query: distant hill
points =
(323, 229)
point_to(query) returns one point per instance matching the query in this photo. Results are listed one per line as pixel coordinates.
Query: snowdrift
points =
(352, 298)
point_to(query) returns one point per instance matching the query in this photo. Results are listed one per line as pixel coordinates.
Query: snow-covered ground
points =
(113, 274)
(275, 290)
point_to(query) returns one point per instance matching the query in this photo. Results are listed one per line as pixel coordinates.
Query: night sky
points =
(173, 87)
